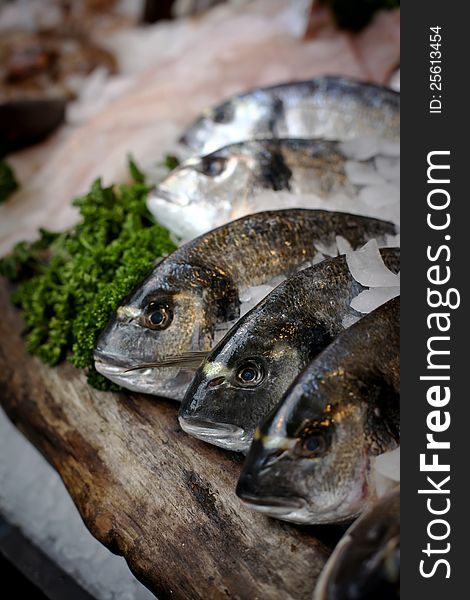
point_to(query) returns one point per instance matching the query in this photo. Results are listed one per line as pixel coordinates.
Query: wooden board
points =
(148, 491)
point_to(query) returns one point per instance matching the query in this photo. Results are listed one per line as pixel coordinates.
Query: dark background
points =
(25, 572)
(420, 134)
(12, 579)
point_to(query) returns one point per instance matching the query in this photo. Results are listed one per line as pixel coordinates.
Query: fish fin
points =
(186, 360)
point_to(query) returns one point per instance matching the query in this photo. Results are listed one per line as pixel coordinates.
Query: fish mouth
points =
(115, 364)
(117, 372)
(224, 435)
(145, 381)
(295, 509)
(279, 506)
(160, 193)
(109, 363)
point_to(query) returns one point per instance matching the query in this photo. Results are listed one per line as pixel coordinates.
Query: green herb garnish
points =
(71, 282)
(171, 162)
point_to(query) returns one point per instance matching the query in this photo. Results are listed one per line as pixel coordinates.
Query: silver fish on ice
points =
(206, 192)
(333, 108)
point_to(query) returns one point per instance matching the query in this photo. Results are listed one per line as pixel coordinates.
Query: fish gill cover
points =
(70, 283)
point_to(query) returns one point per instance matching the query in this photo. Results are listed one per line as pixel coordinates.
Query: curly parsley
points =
(70, 283)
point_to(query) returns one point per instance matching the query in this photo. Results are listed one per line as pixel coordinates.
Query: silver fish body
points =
(310, 461)
(365, 564)
(240, 179)
(333, 108)
(179, 306)
(251, 368)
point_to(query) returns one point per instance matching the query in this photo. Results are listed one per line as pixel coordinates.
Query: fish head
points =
(309, 461)
(199, 194)
(238, 384)
(173, 312)
(235, 120)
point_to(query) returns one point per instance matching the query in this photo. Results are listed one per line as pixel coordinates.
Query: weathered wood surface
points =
(145, 489)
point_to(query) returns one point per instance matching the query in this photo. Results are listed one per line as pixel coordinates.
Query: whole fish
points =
(333, 108)
(251, 368)
(365, 564)
(179, 306)
(240, 179)
(310, 461)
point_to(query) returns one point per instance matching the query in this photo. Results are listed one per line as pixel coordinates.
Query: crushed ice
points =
(367, 267)
(344, 247)
(362, 173)
(369, 300)
(368, 147)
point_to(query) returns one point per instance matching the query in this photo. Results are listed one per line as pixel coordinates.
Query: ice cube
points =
(380, 195)
(369, 300)
(388, 167)
(362, 173)
(362, 148)
(344, 247)
(349, 320)
(327, 248)
(386, 471)
(367, 267)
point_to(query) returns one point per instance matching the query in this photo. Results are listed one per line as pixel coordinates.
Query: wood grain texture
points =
(148, 491)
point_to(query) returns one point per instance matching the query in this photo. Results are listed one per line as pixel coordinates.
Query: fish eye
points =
(213, 166)
(313, 445)
(158, 316)
(223, 113)
(250, 373)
